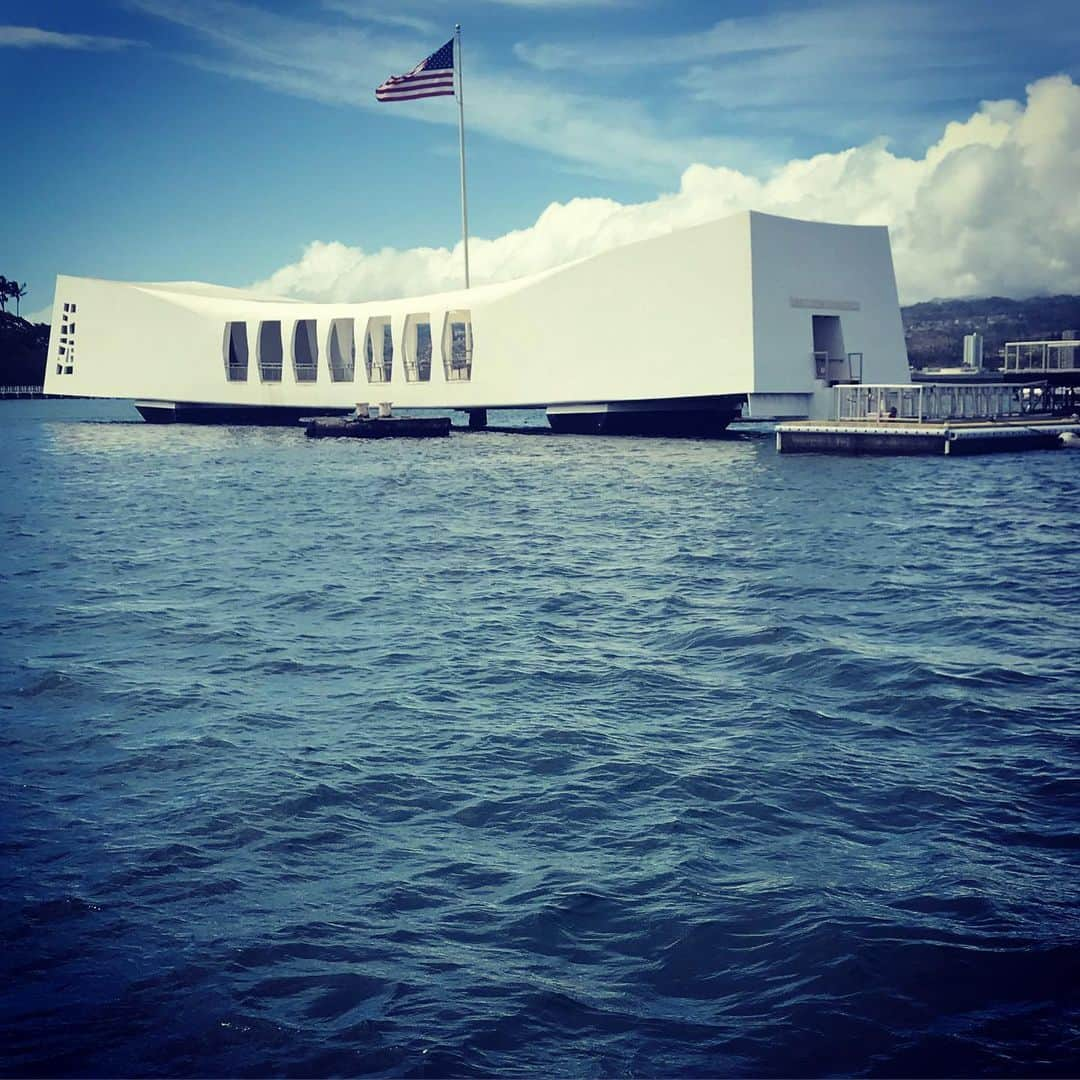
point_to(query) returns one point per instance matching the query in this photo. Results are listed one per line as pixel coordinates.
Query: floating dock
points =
(932, 418)
(379, 427)
(905, 437)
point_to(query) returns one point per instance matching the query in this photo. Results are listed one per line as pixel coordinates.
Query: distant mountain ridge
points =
(934, 330)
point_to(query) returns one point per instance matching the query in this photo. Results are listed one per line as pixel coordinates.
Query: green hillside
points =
(935, 330)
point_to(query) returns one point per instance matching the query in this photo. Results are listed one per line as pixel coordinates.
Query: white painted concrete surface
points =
(724, 308)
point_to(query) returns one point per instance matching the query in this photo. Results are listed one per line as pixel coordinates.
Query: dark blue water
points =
(508, 756)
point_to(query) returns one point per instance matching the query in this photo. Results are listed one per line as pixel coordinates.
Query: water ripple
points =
(529, 757)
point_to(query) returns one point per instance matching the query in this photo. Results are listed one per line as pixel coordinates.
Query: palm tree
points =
(5, 292)
(17, 292)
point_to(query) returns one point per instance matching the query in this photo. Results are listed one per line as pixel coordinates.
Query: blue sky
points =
(214, 139)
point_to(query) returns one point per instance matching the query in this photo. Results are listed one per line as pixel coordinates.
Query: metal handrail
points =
(1040, 355)
(935, 401)
(20, 391)
(823, 361)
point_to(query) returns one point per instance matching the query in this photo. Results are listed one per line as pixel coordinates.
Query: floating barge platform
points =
(378, 427)
(905, 437)
(932, 418)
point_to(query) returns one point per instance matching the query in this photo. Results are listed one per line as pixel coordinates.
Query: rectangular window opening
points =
(269, 351)
(341, 350)
(236, 352)
(418, 348)
(457, 346)
(379, 350)
(305, 351)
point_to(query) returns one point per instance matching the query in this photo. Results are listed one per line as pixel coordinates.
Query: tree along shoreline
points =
(23, 348)
(11, 290)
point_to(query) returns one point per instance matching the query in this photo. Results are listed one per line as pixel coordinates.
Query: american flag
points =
(433, 77)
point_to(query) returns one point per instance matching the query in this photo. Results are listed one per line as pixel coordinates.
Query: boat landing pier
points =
(930, 418)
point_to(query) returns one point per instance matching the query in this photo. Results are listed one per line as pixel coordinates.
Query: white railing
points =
(936, 401)
(1042, 356)
(834, 369)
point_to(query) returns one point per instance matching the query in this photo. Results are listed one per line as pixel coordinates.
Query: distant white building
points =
(973, 351)
(753, 312)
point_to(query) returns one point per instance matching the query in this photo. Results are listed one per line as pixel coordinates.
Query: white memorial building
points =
(753, 313)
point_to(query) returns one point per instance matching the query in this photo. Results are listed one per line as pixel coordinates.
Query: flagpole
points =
(461, 147)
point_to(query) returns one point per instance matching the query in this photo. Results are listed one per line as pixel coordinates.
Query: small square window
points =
(59, 369)
(68, 370)
(62, 350)
(71, 329)
(67, 307)
(72, 309)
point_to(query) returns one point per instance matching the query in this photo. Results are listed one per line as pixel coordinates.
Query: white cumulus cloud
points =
(993, 207)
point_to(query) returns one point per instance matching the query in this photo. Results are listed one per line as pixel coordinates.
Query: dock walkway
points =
(930, 418)
(906, 437)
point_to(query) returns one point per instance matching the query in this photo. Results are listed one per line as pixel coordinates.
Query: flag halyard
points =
(432, 77)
